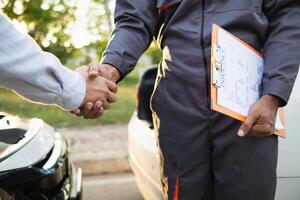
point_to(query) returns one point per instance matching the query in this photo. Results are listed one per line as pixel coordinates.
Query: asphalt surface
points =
(111, 187)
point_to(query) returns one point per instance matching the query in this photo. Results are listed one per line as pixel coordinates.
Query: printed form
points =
(243, 71)
(237, 72)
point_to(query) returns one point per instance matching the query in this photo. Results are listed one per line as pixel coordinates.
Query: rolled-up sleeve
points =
(36, 75)
(136, 24)
(282, 47)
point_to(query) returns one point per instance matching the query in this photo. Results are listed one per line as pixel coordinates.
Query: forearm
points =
(136, 24)
(282, 57)
(36, 75)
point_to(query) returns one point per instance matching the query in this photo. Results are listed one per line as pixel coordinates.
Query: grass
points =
(120, 112)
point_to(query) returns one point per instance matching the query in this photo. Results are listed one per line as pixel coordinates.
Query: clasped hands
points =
(101, 89)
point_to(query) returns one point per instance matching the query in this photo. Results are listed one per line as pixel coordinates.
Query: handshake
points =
(101, 89)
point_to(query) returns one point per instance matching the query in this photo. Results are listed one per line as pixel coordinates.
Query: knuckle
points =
(255, 114)
(101, 72)
(106, 92)
(264, 117)
(246, 126)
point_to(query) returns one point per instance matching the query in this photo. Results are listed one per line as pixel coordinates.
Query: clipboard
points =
(219, 79)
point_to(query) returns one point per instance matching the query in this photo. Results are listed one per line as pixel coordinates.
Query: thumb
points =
(247, 125)
(93, 70)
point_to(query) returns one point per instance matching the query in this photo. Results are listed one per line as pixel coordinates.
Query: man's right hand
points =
(100, 93)
(105, 70)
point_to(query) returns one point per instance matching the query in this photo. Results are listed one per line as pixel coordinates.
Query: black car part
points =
(144, 95)
(12, 136)
(35, 182)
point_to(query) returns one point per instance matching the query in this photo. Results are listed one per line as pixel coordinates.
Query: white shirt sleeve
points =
(37, 75)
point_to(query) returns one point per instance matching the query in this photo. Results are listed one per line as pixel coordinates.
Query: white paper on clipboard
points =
(237, 72)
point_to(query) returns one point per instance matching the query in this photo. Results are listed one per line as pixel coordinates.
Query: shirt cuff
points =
(278, 88)
(73, 93)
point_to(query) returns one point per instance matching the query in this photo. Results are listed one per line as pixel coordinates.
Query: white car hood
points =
(36, 144)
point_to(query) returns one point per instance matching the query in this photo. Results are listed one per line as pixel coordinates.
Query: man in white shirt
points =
(40, 77)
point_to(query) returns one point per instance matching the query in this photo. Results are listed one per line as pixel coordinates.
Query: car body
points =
(34, 162)
(143, 153)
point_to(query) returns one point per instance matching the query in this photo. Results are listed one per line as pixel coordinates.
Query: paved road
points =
(111, 187)
(99, 149)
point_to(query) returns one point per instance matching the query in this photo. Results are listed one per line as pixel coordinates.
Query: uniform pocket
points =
(165, 4)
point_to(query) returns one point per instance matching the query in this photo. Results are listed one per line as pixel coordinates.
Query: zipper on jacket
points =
(207, 72)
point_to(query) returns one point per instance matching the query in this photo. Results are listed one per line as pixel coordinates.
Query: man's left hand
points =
(262, 118)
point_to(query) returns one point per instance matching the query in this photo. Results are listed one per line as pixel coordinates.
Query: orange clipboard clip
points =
(215, 63)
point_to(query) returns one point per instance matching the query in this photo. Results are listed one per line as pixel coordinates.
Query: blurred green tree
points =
(47, 22)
